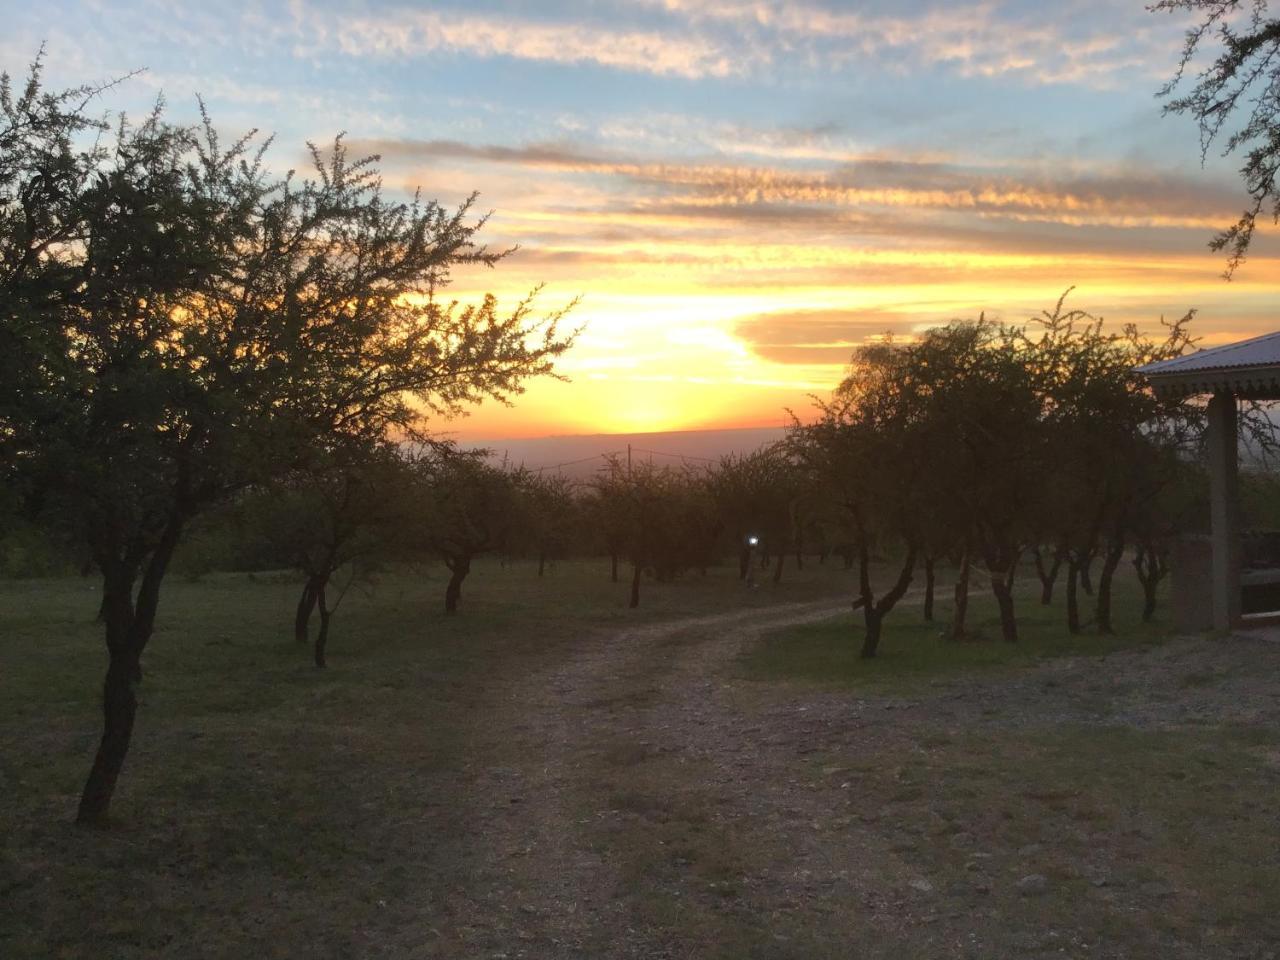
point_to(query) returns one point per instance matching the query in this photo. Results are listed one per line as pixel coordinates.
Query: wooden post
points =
(1224, 509)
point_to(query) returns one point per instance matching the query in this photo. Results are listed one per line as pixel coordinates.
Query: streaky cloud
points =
(406, 32)
(741, 191)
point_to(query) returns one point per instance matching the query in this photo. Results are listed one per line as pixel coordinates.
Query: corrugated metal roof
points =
(1263, 351)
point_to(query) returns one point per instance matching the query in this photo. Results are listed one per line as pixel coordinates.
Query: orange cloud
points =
(1120, 200)
(818, 336)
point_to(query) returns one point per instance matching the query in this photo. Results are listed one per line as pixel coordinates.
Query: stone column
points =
(1224, 510)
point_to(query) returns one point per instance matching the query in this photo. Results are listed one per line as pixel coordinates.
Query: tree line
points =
(985, 443)
(981, 448)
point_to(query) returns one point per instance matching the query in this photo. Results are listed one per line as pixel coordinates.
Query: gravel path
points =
(639, 799)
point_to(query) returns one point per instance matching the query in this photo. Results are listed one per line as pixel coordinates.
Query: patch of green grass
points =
(910, 649)
(268, 808)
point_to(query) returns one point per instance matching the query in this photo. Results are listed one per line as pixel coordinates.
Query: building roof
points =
(1260, 351)
(1249, 368)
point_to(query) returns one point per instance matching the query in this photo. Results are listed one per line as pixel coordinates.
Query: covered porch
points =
(1247, 370)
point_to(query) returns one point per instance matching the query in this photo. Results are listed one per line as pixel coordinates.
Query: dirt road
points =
(640, 799)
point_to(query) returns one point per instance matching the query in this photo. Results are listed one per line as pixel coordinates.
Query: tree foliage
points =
(181, 324)
(551, 515)
(865, 448)
(985, 440)
(664, 519)
(466, 507)
(1233, 99)
(756, 495)
(347, 509)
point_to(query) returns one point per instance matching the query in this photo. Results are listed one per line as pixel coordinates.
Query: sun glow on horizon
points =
(738, 200)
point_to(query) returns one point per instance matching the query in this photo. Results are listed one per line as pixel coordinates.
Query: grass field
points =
(550, 774)
(914, 649)
(258, 786)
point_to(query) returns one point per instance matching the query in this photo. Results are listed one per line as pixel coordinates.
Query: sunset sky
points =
(739, 190)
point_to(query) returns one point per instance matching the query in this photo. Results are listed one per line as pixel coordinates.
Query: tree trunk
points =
(322, 638)
(1073, 599)
(302, 617)
(613, 567)
(1150, 580)
(777, 568)
(871, 638)
(1102, 606)
(635, 586)
(1086, 574)
(928, 588)
(960, 612)
(119, 707)
(129, 626)
(744, 562)
(1004, 600)
(1001, 564)
(874, 611)
(459, 568)
(1048, 577)
(542, 563)
(1151, 571)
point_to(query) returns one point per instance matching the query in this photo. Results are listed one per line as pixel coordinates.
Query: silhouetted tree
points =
(347, 509)
(755, 495)
(551, 513)
(1233, 100)
(468, 507)
(1174, 492)
(1114, 442)
(608, 514)
(866, 449)
(667, 518)
(977, 421)
(186, 326)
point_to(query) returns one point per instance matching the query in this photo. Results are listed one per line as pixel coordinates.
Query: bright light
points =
(753, 540)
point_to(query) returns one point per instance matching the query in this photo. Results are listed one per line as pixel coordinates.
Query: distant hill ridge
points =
(581, 455)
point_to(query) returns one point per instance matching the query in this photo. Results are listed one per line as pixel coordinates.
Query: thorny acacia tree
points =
(754, 494)
(42, 175)
(182, 324)
(467, 507)
(1234, 101)
(606, 516)
(1115, 444)
(551, 511)
(346, 508)
(971, 409)
(666, 518)
(866, 450)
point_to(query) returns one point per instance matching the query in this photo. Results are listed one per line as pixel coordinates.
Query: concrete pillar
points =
(1224, 510)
